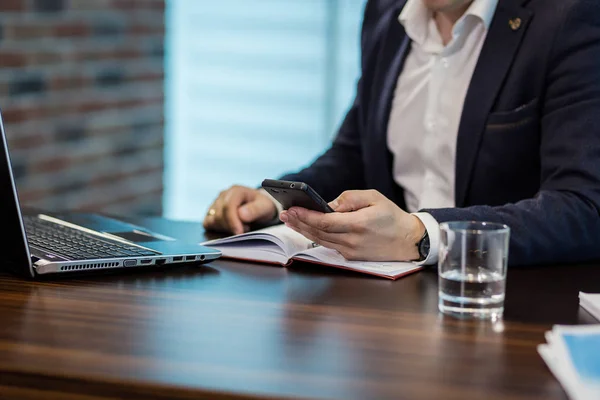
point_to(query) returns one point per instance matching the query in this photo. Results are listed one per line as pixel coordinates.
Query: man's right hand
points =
(236, 208)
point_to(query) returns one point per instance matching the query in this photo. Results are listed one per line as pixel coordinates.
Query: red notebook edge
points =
(255, 261)
(393, 278)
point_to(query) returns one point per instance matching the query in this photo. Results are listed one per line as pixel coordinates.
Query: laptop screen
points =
(15, 251)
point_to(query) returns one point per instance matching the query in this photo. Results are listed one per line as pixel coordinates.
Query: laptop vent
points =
(88, 266)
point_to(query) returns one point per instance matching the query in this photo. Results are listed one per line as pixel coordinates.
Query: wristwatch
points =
(423, 246)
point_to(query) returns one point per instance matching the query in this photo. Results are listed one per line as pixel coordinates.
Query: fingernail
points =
(293, 213)
(334, 204)
(283, 217)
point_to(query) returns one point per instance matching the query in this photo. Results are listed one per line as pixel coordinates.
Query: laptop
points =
(38, 243)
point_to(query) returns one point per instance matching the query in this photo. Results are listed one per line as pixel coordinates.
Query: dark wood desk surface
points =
(235, 330)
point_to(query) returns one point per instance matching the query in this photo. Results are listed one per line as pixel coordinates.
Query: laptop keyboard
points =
(75, 244)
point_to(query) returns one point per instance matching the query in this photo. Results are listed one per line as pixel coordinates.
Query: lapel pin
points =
(515, 23)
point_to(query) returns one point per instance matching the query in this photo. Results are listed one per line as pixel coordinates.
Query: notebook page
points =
(292, 241)
(332, 257)
(287, 240)
(254, 250)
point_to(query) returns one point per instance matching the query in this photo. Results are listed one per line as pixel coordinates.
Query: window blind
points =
(253, 89)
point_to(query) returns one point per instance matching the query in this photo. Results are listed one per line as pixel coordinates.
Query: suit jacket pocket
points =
(508, 161)
(514, 118)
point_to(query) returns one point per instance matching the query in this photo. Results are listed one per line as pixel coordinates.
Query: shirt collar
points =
(415, 17)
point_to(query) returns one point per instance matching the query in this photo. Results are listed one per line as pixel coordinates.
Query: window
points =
(253, 90)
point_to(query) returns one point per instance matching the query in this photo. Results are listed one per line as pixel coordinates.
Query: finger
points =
(210, 220)
(352, 200)
(231, 202)
(338, 238)
(315, 233)
(219, 222)
(256, 210)
(325, 222)
(315, 239)
(347, 252)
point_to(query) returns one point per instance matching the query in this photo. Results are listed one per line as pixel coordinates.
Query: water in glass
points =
(477, 292)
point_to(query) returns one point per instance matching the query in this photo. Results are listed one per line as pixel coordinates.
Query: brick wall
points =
(81, 92)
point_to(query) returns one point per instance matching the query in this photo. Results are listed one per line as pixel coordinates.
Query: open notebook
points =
(281, 245)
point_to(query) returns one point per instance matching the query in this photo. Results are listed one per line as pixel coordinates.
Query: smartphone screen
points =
(295, 194)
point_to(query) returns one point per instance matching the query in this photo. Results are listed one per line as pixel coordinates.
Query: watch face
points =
(424, 247)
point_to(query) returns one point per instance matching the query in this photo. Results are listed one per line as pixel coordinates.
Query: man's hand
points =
(365, 226)
(237, 207)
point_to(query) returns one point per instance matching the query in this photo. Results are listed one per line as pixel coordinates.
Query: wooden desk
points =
(235, 330)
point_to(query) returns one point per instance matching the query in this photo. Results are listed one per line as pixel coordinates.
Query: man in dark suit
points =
(483, 110)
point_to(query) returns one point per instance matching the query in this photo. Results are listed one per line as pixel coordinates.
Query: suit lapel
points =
(504, 37)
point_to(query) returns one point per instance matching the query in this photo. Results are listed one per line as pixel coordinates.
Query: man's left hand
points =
(365, 226)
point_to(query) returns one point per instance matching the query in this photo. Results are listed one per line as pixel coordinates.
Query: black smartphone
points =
(298, 194)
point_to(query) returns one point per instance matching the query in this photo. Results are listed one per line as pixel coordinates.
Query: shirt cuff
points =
(433, 230)
(277, 204)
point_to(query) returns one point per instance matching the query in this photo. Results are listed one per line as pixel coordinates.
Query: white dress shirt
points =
(427, 107)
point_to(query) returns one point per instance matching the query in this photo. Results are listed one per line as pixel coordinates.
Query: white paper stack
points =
(572, 353)
(590, 303)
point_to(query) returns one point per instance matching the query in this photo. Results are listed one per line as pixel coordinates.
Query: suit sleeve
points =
(341, 167)
(562, 222)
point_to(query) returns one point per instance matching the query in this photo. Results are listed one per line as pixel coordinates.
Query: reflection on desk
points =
(233, 330)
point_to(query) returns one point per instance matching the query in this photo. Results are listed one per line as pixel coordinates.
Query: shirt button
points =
(445, 63)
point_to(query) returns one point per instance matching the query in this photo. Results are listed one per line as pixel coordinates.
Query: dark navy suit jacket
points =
(528, 150)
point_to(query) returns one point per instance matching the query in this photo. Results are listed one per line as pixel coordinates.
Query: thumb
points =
(352, 200)
(256, 210)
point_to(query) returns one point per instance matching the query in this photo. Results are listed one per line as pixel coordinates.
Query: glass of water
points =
(472, 269)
